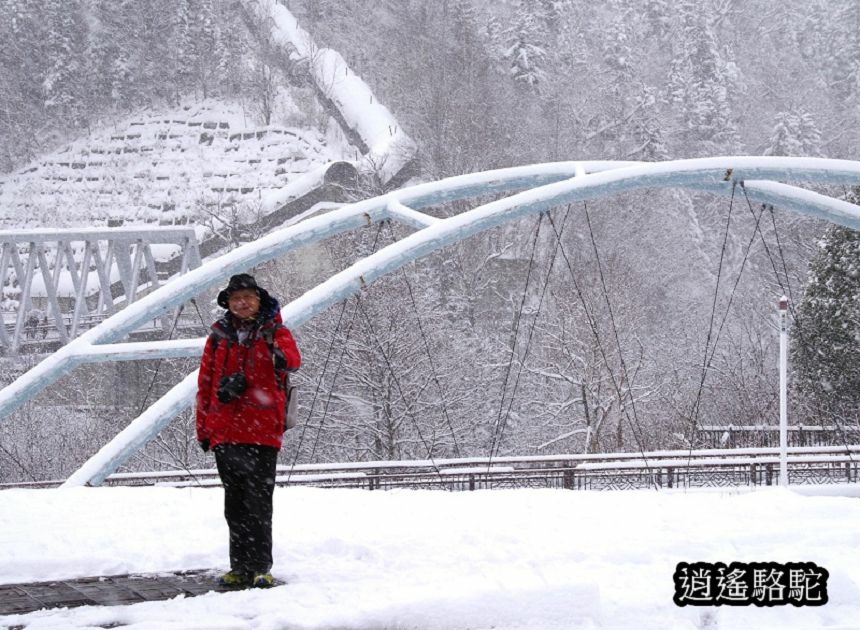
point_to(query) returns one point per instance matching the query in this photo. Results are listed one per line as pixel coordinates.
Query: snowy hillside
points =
(168, 167)
(207, 161)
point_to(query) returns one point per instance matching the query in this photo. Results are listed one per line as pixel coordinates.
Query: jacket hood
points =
(269, 315)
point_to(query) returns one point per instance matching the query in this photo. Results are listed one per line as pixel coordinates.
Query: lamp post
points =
(783, 391)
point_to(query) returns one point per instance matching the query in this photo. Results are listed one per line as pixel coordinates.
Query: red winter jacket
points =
(257, 416)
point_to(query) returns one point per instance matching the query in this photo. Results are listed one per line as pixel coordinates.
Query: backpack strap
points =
(282, 377)
(269, 335)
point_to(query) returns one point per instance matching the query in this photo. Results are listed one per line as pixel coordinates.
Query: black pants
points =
(248, 474)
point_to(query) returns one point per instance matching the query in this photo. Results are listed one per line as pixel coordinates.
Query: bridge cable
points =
(344, 349)
(708, 359)
(158, 364)
(323, 373)
(799, 331)
(785, 290)
(316, 393)
(747, 251)
(695, 410)
(496, 438)
(522, 361)
(200, 315)
(592, 323)
(784, 264)
(442, 396)
(624, 373)
(149, 389)
(399, 388)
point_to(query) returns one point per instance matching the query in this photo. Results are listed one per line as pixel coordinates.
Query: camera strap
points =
(268, 335)
(216, 341)
(282, 377)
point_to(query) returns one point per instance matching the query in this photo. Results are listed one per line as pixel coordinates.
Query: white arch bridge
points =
(532, 189)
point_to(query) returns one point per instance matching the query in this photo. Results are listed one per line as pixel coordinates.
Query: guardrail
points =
(764, 435)
(607, 471)
(44, 337)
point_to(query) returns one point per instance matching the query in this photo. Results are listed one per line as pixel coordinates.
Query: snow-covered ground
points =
(542, 559)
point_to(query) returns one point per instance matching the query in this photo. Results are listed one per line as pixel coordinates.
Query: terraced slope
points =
(192, 164)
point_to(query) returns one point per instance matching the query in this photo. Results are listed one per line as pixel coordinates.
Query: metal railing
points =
(764, 435)
(45, 337)
(608, 471)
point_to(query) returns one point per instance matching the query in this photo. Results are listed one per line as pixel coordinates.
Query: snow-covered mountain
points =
(195, 163)
(207, 162)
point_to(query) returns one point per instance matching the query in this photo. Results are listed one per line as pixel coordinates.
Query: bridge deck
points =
(105, 591)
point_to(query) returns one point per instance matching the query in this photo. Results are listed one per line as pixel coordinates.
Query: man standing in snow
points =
(241, 414)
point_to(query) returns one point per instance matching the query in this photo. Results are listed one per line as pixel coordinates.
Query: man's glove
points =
(204, 444)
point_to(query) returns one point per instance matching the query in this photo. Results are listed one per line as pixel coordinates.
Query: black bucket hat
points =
(242, 281)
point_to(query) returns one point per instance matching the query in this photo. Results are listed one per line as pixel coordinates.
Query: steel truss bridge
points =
(83, 275)
(529, 189)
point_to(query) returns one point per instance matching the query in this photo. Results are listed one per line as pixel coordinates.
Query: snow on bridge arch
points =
(543, 187)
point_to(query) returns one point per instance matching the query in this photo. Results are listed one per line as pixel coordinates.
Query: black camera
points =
(231, 387)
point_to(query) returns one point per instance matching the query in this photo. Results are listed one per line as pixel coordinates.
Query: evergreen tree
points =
(199, 49)
(826, 334)
(157, 69)
(233, 50)
(495, 33)
(525, 51)
(616, 41)
(647, 130)
(700, 84)
(25, 46)
(658, 18)
(552, 14)
(65, 82)
(23, 59)
(114, 51)
(316, 11)
(464, 21)
(806, 29)
(462, 97)
(844, 63)
(794, 133)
